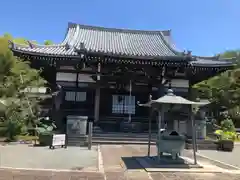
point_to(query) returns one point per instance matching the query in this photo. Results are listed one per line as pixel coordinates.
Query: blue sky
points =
(206, 27)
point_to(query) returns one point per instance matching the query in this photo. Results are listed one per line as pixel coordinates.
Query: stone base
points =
(150, 163)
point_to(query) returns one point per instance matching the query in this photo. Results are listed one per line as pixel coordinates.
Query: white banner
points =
(72, 77)
(179, 83)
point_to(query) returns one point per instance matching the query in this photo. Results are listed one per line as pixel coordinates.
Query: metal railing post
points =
(90, 128)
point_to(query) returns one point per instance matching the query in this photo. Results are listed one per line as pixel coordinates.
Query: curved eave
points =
(110, 55)
(212, 63)
(43, 54)
(153, 58)
(168, 40)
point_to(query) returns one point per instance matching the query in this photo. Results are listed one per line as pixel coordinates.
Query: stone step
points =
(122, 137)
(77, 141)
(120, 134)
(121, 142)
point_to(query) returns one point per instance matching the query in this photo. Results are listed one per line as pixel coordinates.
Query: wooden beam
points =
(97, 95)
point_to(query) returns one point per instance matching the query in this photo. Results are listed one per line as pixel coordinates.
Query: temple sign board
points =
(58, 140)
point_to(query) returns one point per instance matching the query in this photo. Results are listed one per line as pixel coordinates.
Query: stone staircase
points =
(100, 137)
(131, 138)
(110, 138)
(77, 140)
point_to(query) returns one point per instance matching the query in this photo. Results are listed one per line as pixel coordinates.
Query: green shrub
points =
(228, 125)
(226, 135)
(27, 138)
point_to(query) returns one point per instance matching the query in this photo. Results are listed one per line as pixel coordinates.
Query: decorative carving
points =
(31, 45)
(82, 46)
(67, 46)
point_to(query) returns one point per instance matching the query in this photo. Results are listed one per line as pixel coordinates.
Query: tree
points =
(223, 90)
(231, 54)
(48, 42)
(15, 77)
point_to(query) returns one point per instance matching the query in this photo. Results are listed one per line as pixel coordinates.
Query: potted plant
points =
(226, 135)
(226, 142)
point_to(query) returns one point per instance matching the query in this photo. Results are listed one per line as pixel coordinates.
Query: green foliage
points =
(227, 125)
(223, 89)
(232, 53)
(26, 138)
(15, 77)
(226, 135)
(227, 131)
(48, 42)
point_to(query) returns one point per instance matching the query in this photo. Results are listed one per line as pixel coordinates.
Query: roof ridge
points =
(124, 30)
(33, 45)
(169, 45)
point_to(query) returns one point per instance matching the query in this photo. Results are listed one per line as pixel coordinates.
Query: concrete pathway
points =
(117, 165)
(114, 164)
(72, 158)
(231, 158)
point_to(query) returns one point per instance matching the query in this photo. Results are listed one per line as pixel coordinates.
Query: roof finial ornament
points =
(170, 92)
(169, 84)
(67, 46)
(11, 44)
(30, 44)
(189, 53)
(184, 53)
(82, 46)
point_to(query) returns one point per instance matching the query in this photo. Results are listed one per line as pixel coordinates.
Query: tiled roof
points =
(109, 41)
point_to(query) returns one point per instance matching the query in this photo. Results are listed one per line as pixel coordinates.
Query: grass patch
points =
(26, 138)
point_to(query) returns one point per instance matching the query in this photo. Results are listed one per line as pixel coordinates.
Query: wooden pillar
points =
(97, 95)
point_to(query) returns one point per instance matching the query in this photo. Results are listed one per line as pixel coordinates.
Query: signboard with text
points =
(58, 140)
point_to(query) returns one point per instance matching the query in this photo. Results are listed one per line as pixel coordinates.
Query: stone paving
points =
(115, 166)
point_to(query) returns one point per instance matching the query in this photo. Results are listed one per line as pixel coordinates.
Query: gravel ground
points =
(23, 156)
